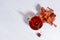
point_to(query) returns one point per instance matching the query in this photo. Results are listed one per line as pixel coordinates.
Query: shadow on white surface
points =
(29, 14)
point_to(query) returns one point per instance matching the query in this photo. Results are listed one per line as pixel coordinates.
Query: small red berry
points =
(38, 34)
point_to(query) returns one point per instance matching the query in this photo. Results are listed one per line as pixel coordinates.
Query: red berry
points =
(38, 34)
(35, 23)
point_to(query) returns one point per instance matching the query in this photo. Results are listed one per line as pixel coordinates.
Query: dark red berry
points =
(35, 23)
(38, 34)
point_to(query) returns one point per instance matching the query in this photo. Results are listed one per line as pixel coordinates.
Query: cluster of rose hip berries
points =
(45, 16)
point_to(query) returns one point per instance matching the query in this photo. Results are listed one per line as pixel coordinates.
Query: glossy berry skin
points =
(35, 23)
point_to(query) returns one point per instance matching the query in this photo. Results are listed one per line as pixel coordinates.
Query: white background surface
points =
(12, 26)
